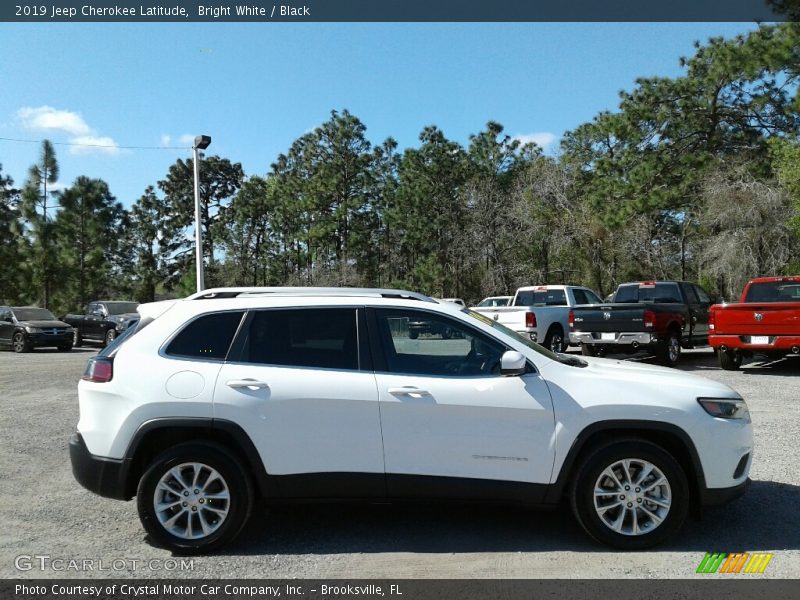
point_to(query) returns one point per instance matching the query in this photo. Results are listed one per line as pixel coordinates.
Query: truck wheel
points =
(588, 350)
(669, 350)
(19, 343)
(630, 494)
(730, 361)
(111, 335)
(194, 498)
(447, 333)
(413, 334)
(554, 340)
(77, 338)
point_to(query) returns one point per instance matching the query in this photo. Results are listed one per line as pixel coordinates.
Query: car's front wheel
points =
(19, 343)
(630, 494)
(194, 498)
(77, 338)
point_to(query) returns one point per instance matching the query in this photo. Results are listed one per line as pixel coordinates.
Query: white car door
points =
(447, 412)
(297, 390)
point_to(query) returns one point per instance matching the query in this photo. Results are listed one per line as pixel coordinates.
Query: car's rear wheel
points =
(730, 361)
(19, 343)
(630, 494)
(669, 349)
(111, 335)
(194, 498)
(554, 340)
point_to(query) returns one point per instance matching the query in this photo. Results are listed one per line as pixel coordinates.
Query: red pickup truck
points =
(765, 321)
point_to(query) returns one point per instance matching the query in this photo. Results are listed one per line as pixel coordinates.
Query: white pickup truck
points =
(541, 312)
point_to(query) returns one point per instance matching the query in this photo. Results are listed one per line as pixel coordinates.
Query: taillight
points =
(649, 318)
(99, 370)
(530, 319)
(711, 321)
(571, 319)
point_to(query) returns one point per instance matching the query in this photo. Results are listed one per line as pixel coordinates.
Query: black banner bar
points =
(735, 586)
(397, 11)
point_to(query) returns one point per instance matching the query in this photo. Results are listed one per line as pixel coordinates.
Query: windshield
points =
(543, 297)
(33, 314)
(774, 291)
(120, 308)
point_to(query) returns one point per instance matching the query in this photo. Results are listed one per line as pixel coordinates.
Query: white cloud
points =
(91, 144)
(166, 139)
(187, 139)
(543, 139)
(49, 119)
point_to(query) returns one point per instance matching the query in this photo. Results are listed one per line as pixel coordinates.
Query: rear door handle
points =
(408, 391)
(250, 384)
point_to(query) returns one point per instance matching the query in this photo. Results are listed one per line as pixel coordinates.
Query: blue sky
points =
(256, 87)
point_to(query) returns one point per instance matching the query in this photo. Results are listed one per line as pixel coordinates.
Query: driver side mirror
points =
(512, 364)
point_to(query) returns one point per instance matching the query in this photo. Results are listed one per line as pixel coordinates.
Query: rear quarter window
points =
(208, 336)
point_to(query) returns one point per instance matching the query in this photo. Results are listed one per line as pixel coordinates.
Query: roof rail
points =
(251, 292)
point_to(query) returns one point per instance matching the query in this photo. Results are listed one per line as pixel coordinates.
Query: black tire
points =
(65, 348)
(588, 350)
(729, 361)
(110, 336)
(588, 474)
(669, 349)
(77, 338)
(239, 486)
(413, 334)
(447, 333)
(20, 343)
(554, 340)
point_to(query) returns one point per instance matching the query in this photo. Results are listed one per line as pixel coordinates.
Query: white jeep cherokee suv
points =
(307, 393)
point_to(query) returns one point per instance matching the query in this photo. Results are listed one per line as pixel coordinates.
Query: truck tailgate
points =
(773, 318)
(512, 317)
(610, 318)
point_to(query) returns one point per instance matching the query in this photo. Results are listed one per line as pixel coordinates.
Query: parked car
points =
(102, 321)
(233, 394)
(765, 321)
(657, 316)
(495, 301)
(541, 312)
(27, 327)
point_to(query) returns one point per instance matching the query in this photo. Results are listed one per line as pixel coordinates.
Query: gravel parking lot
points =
(44, 512)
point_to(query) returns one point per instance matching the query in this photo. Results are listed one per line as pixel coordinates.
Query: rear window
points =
(774, 291)
(313, 337)
(208, 336)
(541, 297)
(660, 292)
(121, 308)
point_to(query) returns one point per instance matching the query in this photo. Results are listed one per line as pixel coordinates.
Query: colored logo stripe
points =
(738, 562)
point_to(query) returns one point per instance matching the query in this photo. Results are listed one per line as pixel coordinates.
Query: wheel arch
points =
(155, 436)
(670, 437)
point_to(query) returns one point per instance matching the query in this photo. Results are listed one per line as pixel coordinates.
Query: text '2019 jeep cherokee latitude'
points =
(290, 394)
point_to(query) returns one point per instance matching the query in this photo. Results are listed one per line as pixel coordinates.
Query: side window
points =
(691, 296)
(591, 297)
(428, 344)
(209, 336)
(701, 293)
(91, 309)
(324, 338)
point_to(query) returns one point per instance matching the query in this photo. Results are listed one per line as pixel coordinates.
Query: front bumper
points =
(619, 339)
(104, 476)
(718, 496)
(39, 340)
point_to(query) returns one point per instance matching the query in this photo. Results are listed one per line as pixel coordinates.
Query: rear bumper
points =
(619, 339)
(776, 342)
(718, 496)
(103, 476)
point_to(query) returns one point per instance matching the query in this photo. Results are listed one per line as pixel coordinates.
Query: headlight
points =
(33, 329)
(725, 408)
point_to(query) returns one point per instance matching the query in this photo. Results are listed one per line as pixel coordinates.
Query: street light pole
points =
(201, 142)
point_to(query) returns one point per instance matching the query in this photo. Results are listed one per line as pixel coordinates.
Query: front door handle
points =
(408, 391)
(250, 384)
